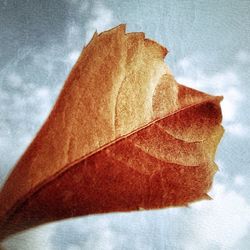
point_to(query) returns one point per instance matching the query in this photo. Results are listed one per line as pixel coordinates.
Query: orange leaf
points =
(123, 135)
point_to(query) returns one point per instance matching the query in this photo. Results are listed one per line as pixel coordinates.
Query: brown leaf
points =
(122, 136)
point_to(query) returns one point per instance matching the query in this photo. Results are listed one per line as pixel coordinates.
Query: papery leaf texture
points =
(123, 135)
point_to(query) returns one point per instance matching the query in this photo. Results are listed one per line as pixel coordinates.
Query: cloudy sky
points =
(209, 46)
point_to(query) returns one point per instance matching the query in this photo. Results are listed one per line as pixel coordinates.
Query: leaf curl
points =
(122, 136)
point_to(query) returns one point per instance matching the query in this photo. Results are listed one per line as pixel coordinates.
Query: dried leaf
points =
(123, 135)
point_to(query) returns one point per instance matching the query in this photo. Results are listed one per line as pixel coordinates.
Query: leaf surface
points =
(122, 136)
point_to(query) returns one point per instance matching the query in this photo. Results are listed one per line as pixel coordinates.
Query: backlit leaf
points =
(123, 135)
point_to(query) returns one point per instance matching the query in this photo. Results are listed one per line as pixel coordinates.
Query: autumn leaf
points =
(123, 135)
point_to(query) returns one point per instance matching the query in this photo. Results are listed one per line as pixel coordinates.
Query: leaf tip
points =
(206, 197)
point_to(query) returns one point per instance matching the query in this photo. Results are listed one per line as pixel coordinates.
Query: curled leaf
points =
(123, 135)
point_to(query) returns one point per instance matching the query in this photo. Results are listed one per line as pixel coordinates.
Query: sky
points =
(209, 49)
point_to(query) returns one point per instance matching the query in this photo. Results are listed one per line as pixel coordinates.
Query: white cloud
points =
(38, 238)
(238, 129)
(243, 57)
(74, 247)
(72, 57)
(216, 83)
(73, 34)
(103, 238)
(14, 79)
(239, 180)
(97, 229)
(102, 19)
(220, 223)
(82, 6)
(45, 60)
